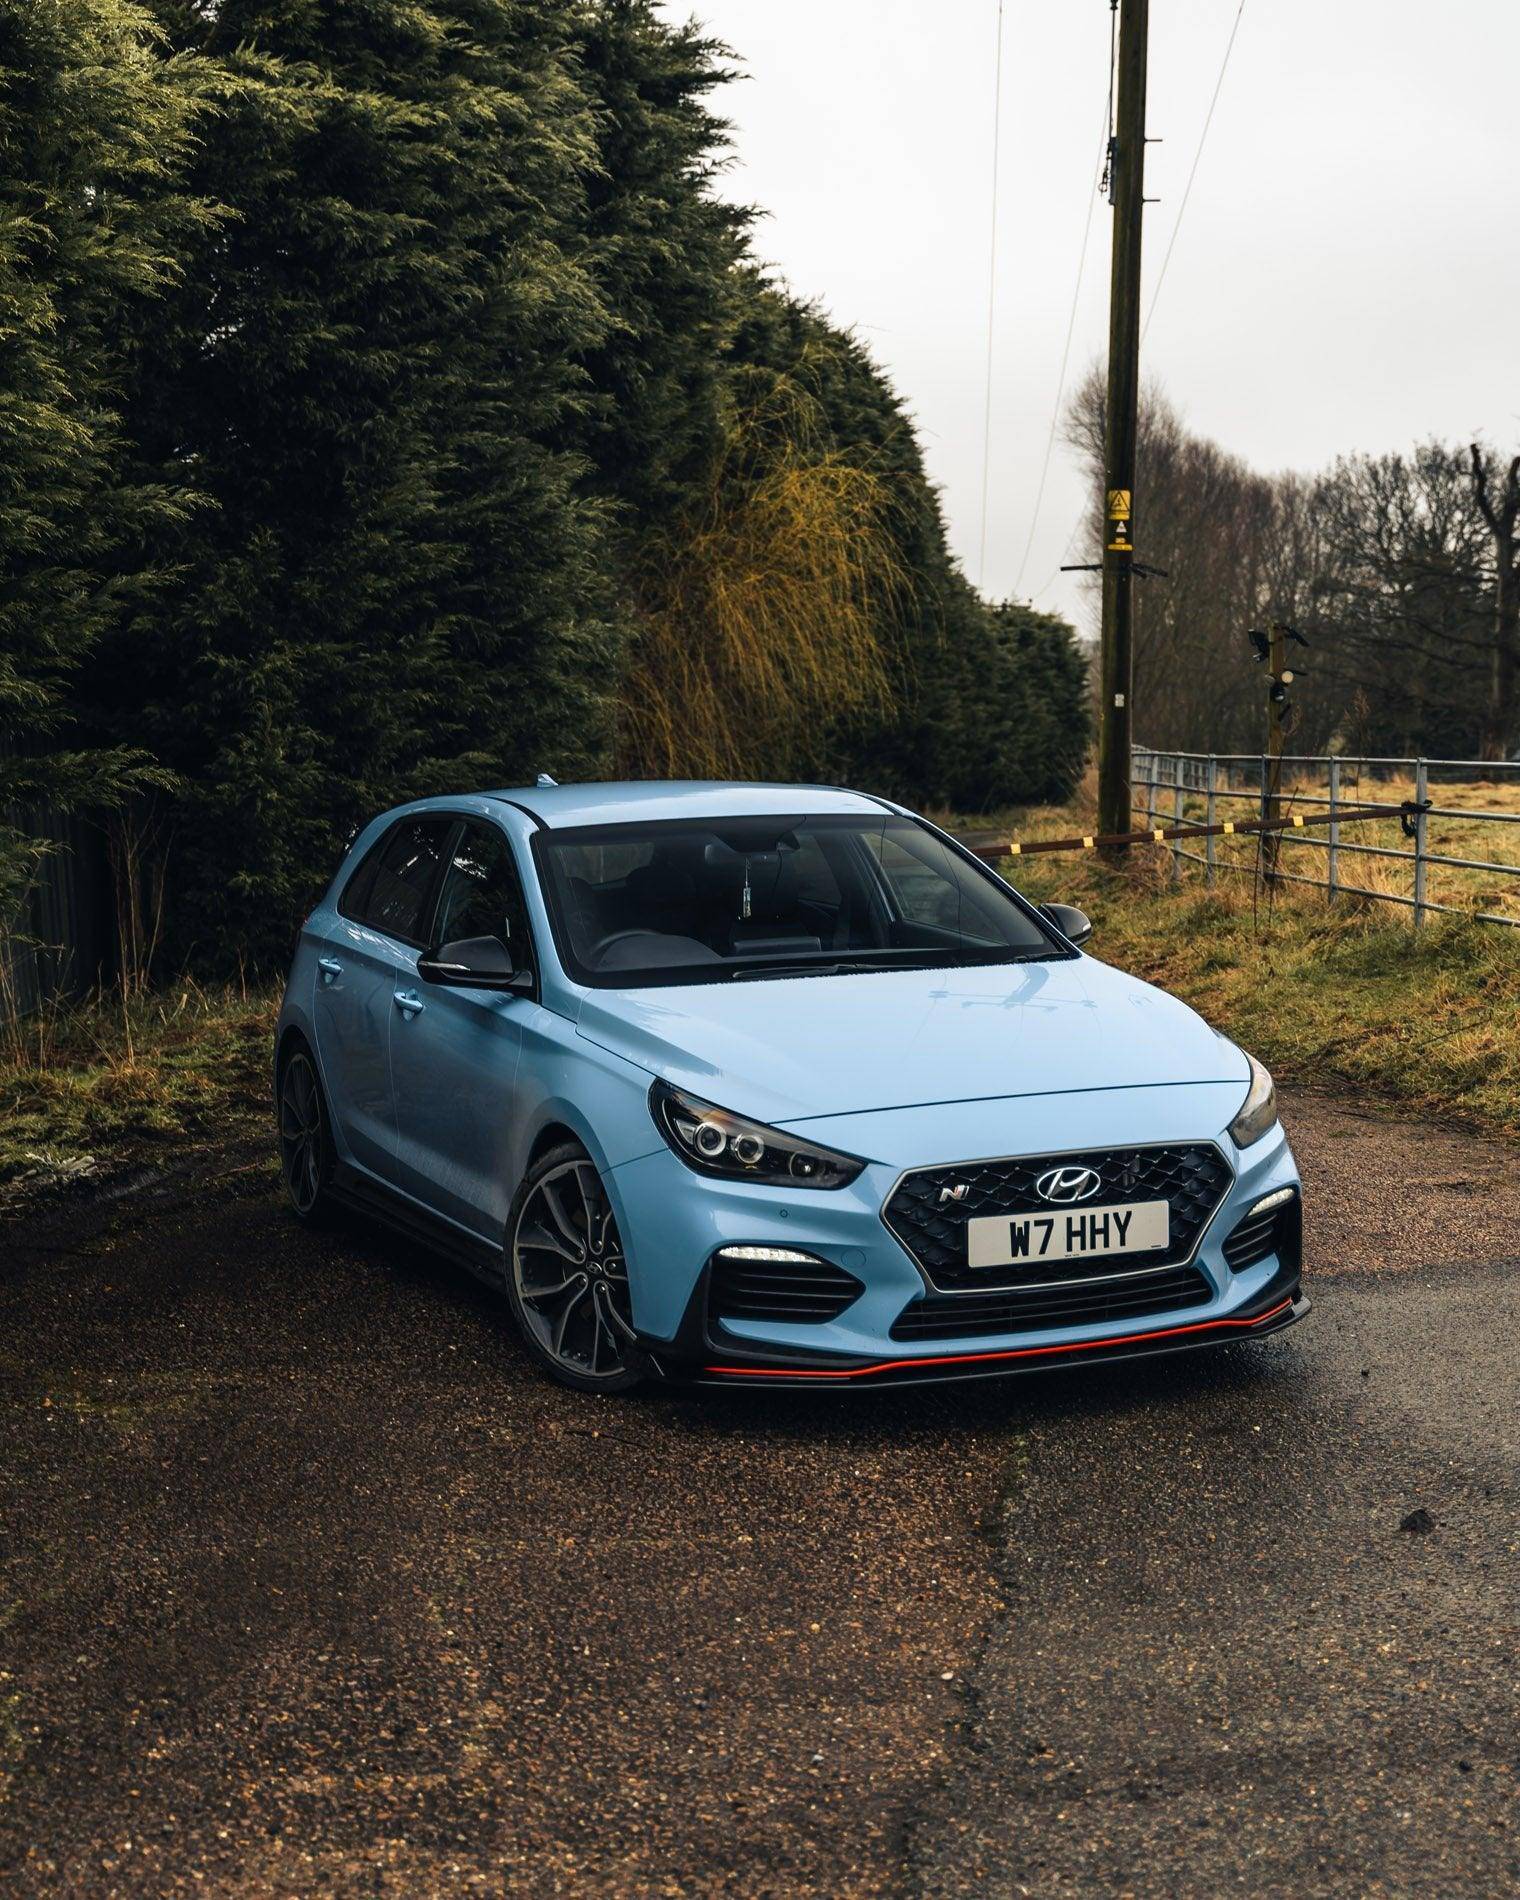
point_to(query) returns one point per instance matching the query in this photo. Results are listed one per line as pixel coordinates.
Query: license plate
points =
(1068, 1233)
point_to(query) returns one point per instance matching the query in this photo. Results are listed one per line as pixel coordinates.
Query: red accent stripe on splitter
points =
(982, 1358)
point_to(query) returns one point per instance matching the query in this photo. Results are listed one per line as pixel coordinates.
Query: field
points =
(1471, 820)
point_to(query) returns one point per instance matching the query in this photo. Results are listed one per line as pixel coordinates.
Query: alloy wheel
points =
(570, 1275)
(301, 1133)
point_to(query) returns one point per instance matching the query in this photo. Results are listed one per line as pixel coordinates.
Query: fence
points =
(1459, 802)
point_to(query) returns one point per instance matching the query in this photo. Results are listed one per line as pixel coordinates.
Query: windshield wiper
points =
(922, 959)
(824, 966)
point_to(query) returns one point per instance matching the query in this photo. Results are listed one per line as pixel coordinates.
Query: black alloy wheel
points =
(567, 1278)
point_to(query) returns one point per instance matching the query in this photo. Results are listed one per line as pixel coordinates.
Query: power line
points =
(1055, 573)
(1188, 188)
(997, 130)
(1071, 325)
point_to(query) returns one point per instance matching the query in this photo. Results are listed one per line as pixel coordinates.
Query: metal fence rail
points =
(1221, 780)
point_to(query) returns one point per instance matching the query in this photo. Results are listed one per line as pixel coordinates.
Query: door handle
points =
(409, 1003)
(330, 968)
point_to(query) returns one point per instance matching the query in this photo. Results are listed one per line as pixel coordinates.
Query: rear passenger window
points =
(391, 889)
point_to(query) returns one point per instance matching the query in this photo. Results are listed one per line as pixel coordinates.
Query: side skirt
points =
(374, 1201)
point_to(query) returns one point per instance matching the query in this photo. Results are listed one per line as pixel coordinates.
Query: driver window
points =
(482, 894)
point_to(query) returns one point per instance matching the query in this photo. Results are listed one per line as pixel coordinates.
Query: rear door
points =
(454, 1052)
(370, 952)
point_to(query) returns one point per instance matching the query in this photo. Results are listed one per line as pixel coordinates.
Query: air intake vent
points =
(976, 1315)
(1272, 1227)
(775, 1284)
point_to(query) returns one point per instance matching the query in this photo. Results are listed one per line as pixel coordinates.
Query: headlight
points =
(1258, 1112)
(713, 1141)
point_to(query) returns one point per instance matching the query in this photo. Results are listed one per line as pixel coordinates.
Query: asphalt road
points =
(309, 1586)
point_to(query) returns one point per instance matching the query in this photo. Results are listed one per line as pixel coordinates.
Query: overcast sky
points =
(1347, 275)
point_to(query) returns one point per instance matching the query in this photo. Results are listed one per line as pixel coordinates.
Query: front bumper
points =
(1282, 1307)
(674, 1222)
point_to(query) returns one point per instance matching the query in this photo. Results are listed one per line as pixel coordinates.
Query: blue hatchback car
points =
(765, 1084)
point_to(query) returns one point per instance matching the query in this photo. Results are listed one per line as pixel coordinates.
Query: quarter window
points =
(918, 872)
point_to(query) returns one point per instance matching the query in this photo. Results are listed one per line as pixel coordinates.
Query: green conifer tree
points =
(665, 253)
(93, 124)
(395, 581)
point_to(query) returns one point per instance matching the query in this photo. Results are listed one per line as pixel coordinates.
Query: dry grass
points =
(1349, 990)
(1361, 859)
(770, 612)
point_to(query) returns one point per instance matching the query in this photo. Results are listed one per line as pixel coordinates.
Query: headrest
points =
(658, 887)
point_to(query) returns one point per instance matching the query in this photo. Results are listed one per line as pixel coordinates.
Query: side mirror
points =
(474, 963)
(1074, 925)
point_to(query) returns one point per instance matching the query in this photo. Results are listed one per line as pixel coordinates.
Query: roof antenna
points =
(544, 779)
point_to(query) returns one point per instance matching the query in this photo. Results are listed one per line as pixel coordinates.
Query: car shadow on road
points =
(899, 1412)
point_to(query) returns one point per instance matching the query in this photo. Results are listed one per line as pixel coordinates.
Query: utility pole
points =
(1502, 513)
(1271, 650)
(1127, 163)
(1277, 702)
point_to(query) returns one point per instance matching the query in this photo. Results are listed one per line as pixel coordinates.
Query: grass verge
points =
(1427, 1018)
(117, 1078)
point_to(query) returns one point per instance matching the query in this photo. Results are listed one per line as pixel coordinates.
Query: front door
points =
(454, 1052)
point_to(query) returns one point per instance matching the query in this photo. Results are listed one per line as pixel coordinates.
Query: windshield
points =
(720, 900)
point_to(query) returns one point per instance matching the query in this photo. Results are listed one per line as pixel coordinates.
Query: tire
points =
(305, 1137)
(567, 1278)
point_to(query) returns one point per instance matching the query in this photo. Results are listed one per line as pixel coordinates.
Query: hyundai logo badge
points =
(956, 1193)
(1066, 1185)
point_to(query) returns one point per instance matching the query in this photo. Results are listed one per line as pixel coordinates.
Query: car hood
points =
(800, 1047)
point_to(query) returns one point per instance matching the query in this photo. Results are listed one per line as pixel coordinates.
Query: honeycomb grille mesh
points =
(1193, 1179)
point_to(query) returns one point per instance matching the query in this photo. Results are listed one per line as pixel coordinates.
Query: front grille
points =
(789, 1293)
(1278, 1231)
(974, 1315)
(1193, 1179)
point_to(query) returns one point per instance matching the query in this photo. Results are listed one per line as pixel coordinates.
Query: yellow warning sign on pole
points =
(1118, 521)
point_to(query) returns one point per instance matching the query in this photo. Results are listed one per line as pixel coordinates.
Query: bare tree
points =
(1382, 560)
(1501, 513)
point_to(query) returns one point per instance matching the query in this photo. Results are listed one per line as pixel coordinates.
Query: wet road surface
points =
(309, 1585)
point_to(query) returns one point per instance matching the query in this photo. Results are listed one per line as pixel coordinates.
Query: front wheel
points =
(567, 1278)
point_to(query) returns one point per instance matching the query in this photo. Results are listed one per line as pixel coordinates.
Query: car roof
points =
(645, 800)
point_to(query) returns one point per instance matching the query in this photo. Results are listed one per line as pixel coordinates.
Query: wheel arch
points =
(552, 1133)
(290, 1037)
